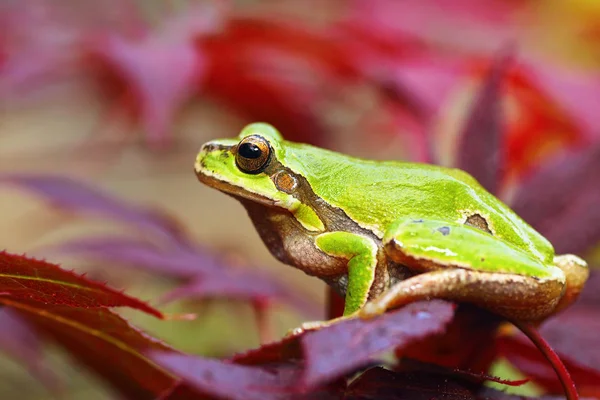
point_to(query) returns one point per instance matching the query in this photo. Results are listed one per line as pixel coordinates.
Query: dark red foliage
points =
(574, 335)
(21, 342)
(97, 338)
(29, 280)
(73, 311)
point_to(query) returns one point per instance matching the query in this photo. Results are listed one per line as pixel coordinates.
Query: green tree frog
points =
(387, 233)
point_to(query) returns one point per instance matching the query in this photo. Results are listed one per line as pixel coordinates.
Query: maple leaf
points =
(39, 281)
(20, 342)
(73, 312)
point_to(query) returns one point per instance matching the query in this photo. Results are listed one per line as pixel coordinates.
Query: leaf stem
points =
(544, 347)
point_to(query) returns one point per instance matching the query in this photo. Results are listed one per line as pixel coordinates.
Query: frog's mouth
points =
(232, 190)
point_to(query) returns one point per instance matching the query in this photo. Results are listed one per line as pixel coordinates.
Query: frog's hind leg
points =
(576, 272)
(465, 264)
(515, 297)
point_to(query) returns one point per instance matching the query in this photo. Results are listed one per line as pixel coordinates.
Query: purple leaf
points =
(76, 196)
(19, 340)
(560, 201)
(224, 379)
(349, 345)
(480, 141)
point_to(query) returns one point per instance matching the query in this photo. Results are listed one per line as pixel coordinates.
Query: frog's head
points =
(249, 167)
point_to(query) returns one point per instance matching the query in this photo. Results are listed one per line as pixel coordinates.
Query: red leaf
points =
(276, 72)
(349, 345)
(480, 147)
(103, 342)
(72, 310)
(561, 195)
(19, 340)
(27, 279)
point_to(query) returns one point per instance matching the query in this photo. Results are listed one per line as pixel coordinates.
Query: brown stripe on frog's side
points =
(334, 219)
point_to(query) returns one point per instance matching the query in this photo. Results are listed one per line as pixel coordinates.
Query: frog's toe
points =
(371, 310)
(576, 274)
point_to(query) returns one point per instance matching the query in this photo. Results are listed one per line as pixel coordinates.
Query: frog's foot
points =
(371, 310)
(576, 272)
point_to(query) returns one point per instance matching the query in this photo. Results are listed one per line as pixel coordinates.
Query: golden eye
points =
(253, 154)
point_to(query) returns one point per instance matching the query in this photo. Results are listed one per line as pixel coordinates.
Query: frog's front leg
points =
(461, 263)
(361, 253)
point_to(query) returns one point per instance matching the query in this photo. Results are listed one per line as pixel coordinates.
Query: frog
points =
(384, 234)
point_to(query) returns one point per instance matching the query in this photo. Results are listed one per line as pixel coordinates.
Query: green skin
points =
(387, 233)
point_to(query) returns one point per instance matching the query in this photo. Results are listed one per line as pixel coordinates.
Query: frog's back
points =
(375, 194)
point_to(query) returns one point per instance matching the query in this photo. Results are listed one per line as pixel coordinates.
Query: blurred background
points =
(119, 95)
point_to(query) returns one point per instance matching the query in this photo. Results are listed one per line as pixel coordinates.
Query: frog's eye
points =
(253, 154)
